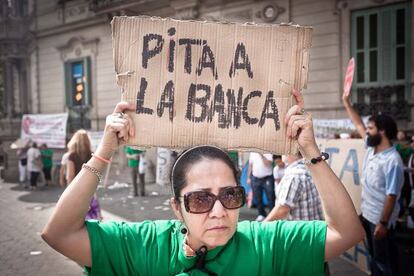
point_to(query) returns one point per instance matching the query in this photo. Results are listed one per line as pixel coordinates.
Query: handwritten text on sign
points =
(209, 83)
(211, 101)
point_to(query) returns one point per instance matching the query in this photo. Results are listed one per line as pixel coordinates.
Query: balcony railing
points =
(112, 5)
(388, 99)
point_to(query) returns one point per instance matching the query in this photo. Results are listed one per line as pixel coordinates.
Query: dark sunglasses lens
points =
(199, 202)
(232, 198)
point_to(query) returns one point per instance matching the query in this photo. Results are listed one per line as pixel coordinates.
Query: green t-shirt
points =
(405, 151)
(234, 156)
(132, 162)
(47, 158)
(155, 248)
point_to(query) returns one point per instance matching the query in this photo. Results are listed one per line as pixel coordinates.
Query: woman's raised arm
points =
(66, 231)
(344, 228)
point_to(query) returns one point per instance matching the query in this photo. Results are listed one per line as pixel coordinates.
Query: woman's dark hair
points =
(385, 123)
(190, 157)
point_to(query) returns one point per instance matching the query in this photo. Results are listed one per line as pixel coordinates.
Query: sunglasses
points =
(199, 202)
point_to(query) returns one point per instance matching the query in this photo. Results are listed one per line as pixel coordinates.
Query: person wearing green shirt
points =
(134, 157)
(47, 161)
(206, 238)
(405, 150)
(403, 147)
(234, 156)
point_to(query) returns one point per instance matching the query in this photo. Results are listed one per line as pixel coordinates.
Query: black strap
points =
(201, 262)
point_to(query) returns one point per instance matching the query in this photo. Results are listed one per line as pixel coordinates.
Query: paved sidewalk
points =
(24, 213)
(22, 251)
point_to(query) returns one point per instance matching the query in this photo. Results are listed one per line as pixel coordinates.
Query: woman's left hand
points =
(299, 126)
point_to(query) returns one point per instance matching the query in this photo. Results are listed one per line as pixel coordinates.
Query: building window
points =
(77, 78)
(2, 92)
(381, 46)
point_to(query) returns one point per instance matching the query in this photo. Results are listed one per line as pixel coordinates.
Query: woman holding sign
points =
(206, 238)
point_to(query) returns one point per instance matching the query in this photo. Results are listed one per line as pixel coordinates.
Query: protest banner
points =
(224, 84)
(325, 127)
(47, 129)
(346, 158)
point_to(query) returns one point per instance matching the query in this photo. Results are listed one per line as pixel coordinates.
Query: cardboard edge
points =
(288, 25)
(293, 146)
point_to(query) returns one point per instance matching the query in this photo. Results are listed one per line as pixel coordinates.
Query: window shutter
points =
(387, 53)
(68, 84)
(88, 84)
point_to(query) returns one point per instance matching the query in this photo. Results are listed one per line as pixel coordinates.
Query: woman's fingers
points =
(298, 97)
(131, 125)
(291, 112)
(298, 107)
(298, 122)
(124, 106)
(294, 118)
(120, 126)
(298, 125)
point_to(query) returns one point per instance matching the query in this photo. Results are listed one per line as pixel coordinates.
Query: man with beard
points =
(383, 177)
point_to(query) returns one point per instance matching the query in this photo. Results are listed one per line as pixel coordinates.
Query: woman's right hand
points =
(118, 129)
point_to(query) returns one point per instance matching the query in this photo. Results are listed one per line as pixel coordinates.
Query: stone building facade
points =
(47, 47)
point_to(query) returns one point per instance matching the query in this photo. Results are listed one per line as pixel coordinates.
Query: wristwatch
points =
(384, 223)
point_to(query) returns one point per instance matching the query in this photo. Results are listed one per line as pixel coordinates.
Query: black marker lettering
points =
(146, 52)
(217, 106)
(140, 99)
(246, 117)
(244, 64)
(272, 114)
(188, 42)
(202, 101)
(167, 100)
(207, 61)
(234, 109)
(171, 32)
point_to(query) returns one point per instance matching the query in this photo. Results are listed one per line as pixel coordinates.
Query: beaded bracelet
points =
(93, 170)
(324, 156)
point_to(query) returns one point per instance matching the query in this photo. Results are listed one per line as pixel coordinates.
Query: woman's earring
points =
(183, 230)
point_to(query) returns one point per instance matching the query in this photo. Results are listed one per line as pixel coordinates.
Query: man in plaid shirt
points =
(297, 198)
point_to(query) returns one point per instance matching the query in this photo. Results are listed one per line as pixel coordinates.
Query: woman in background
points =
(79, 148)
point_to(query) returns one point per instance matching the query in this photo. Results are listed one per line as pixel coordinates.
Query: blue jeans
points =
(267, 185)
(384, 252)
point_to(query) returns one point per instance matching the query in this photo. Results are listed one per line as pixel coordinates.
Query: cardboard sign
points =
(346, 158)
(198, 83)
(349, 76)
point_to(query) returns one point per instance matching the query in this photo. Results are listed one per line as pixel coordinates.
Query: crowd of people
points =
(206, 199)
(387, 189)
(294, 189)
(33, 162)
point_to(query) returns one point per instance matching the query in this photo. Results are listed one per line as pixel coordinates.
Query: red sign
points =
(349, 76)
